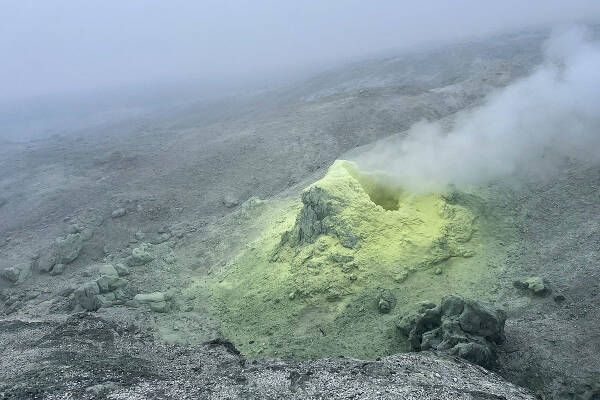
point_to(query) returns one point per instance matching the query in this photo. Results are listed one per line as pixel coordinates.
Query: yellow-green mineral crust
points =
(331, 274)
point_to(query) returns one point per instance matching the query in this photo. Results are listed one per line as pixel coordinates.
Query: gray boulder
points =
(230, 200)
(460, 327)
(67, 249)
(150, 297)
(46, 261)
(158, 301)
(139, 256)
(58, 269)
(121, 269)
(535, 285)
(17, 273)
(63, 251)
(118, 213)
(87, 296)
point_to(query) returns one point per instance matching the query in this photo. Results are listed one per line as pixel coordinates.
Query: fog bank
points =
(530, 127)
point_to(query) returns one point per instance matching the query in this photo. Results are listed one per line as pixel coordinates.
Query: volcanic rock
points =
(230, 201)
(460, 327)
(87, 296)
(150, 297)
(139, 256)
(535, 285)
(17, 273)
(68, 248)
(121, 269)
(57, 269)
(157, 301)
(118, 213)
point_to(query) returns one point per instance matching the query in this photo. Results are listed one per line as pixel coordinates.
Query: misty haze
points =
(300, 200)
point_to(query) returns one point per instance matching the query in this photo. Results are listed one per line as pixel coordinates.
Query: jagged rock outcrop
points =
(317, 217)
(458, 326)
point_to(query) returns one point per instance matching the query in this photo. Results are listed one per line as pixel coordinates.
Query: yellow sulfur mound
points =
(358, 224)
(330, 276)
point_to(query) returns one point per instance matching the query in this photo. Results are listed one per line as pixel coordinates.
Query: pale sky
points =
(56, 46)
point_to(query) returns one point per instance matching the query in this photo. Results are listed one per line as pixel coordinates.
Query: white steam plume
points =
(527, 128)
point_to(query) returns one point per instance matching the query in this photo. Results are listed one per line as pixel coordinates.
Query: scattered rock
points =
(118, 213)
(109, 281)
(121, 269)
(17, 273)
(160, 238)
(68, 248)
(559, 298)
(150, 297)
(401, 276)
(87, 233)
(73, 229)
(107, 269)
(46, 261)
(251, 203)
(63, 251)
(534, 285)
(139, 256)
(384, 306)
(230, 201)
(160, 306)
(57, 269)
(32, 295)
(460, 327)
(139, 235)
(11, 274)
(66, 292)
(87, 296)
(100, 389)
(385, 302)
(157, 300)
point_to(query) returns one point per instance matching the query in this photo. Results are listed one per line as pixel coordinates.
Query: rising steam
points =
(528, 128)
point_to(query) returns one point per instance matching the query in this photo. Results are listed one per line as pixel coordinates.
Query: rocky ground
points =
(86, 357)
(169, 200)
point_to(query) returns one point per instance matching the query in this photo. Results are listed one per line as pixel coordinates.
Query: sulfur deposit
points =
(329, 276)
